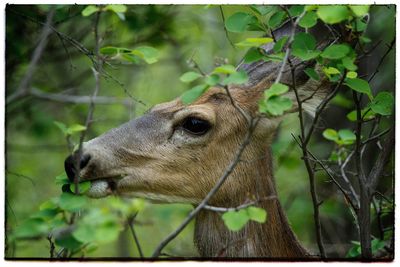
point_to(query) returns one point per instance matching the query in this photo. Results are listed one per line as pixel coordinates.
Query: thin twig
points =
(287, 53)
(390, 47)
(321, 108)
(381, 161)
(243, 206)
(355, 198)
(375, 137)
(23, 87)
(52, 246)
(310, 170)
(226, 32)
(76, 99)
(135, 238)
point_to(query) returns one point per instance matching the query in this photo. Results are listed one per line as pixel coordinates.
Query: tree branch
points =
(381, 161)
(23, 87)
(76, 99)
(243, 206)
(130, 221)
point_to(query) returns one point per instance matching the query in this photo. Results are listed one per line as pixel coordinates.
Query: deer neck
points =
(274, 238)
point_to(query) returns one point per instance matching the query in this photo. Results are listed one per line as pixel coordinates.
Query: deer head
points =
(176, 153)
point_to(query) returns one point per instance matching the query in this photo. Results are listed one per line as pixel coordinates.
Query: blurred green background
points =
(36, 149)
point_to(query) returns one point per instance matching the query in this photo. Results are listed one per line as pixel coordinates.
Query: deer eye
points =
(196, 126)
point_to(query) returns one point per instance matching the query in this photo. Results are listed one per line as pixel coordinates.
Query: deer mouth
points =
(103, 187)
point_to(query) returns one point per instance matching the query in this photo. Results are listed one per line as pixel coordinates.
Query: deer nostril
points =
(84, 161)
(69, 167)
(70, 162)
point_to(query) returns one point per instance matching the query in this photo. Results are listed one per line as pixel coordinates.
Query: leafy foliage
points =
(139, 28)
(236, 220)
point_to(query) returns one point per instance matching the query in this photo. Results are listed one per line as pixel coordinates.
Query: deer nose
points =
(69, 164)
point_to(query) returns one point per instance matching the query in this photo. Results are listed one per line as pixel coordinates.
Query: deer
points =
(175, 153)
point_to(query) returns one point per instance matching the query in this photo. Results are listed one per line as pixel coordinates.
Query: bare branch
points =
(287, 53)
(76, 99)
(381, 161)
(390, 47)
(364, 213)
(243, 206)
(226, 32)
(23, 87)
(355, 198)
(131, 221)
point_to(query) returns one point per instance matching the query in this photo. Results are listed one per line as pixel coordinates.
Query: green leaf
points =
(296, 10)
(116, 8)
(331, 134)
(254, 42)
(62, 127)
(68, 242)
(347, 136)
(275, 90)
(235, 220)
(212, 79)
(341, 101)
(109, 50)
(366, 114)
(239, 77)
(192, 94)
(75, 128)
(360, 86)
(89, 10)
(147, 53)
(225, 69)
(31, 228)
(85, 233)
(262, 10)
(275, 57)
(377, 244)
(348, 63)
(333, 13)
(276, 105)
(108, 232)
(353, 252)
(83, 187)
(335, 51)
(351, 75)
(130, 58)
(359, 10)
(72, 202)
(45, 214)
(49, 204)
(252, 55)
(303, 46)
(276, 19)
(358, 25)
(330, 71)
(309, 20)
(280, 44)
(62, 179)
(190, 76)
(312, 73)
(365, 39)
(382, 104)
(239, 22)
(257, 214)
